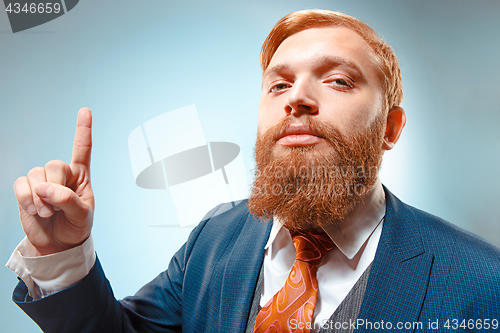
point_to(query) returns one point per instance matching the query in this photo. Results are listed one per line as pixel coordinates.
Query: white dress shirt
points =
(49, 274)
(356, 240)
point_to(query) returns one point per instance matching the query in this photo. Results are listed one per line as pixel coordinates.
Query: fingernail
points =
(43, 190)
(31, 209)
(44, 212)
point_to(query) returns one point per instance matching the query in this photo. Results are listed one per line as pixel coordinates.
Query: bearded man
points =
(320, 245)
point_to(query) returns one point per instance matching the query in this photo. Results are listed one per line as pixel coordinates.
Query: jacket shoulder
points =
(440, 235)
(471, 263)
(465, 277)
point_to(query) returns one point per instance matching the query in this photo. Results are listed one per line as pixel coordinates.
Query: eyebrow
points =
(275, 70)
(333, 62)
(326, 61)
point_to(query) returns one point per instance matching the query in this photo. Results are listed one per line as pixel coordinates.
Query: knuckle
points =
(24, 198)
(19, 182)
(21, 188)
(55, 165)
(35, 172)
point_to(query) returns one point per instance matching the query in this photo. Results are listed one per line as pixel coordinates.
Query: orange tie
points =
(292, 308)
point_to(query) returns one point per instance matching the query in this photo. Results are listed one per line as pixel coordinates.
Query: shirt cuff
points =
(46, 275)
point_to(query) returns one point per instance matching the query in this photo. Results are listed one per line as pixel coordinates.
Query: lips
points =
(299, 135)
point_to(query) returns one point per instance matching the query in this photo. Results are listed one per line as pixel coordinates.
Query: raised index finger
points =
(82, 145)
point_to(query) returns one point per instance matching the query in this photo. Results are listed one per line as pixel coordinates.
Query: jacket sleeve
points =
(90, 305)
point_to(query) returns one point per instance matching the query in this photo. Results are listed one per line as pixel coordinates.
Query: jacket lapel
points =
(396, 287)
(400, 273)
(241, 274)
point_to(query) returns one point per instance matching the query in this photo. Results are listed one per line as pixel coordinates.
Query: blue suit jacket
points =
(424, 270)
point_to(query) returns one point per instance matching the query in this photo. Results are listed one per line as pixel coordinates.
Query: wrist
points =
(52, 248)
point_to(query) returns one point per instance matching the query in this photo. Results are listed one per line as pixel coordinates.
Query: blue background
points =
(130, 61)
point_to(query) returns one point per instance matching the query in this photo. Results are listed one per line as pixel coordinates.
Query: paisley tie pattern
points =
(292, 308)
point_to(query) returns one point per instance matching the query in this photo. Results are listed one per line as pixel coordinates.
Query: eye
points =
(278, 87)
(341, 83)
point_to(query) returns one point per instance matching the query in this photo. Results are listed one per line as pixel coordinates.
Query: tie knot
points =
(311, 245)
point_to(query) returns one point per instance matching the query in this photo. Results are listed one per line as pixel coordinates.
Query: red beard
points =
(308, 187)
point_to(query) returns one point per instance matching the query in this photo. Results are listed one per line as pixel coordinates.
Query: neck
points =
(371, 200)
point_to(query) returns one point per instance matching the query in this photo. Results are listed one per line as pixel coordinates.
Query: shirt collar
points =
(350, 234)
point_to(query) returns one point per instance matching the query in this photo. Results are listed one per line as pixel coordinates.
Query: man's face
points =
(321, 129)
(327, 73)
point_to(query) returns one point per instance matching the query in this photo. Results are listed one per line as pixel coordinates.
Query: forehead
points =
(337, 44)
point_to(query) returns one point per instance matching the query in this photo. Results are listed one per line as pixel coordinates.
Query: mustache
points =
(320, 128)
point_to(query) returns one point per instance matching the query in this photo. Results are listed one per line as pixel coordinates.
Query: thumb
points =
(75, 209)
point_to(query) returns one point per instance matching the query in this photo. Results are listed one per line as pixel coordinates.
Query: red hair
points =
(385, 58)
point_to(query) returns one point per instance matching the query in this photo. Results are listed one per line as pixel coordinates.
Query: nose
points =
(301, 99)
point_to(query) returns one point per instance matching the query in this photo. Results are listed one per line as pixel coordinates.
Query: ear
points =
(396, 121)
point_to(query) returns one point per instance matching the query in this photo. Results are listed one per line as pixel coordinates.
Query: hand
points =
(56, 203)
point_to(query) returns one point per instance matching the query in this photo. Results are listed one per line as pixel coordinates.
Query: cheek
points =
(354, 115)
(264, 123)
(268, 116)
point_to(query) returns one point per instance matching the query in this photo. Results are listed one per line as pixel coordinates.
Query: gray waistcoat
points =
(346, 312)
